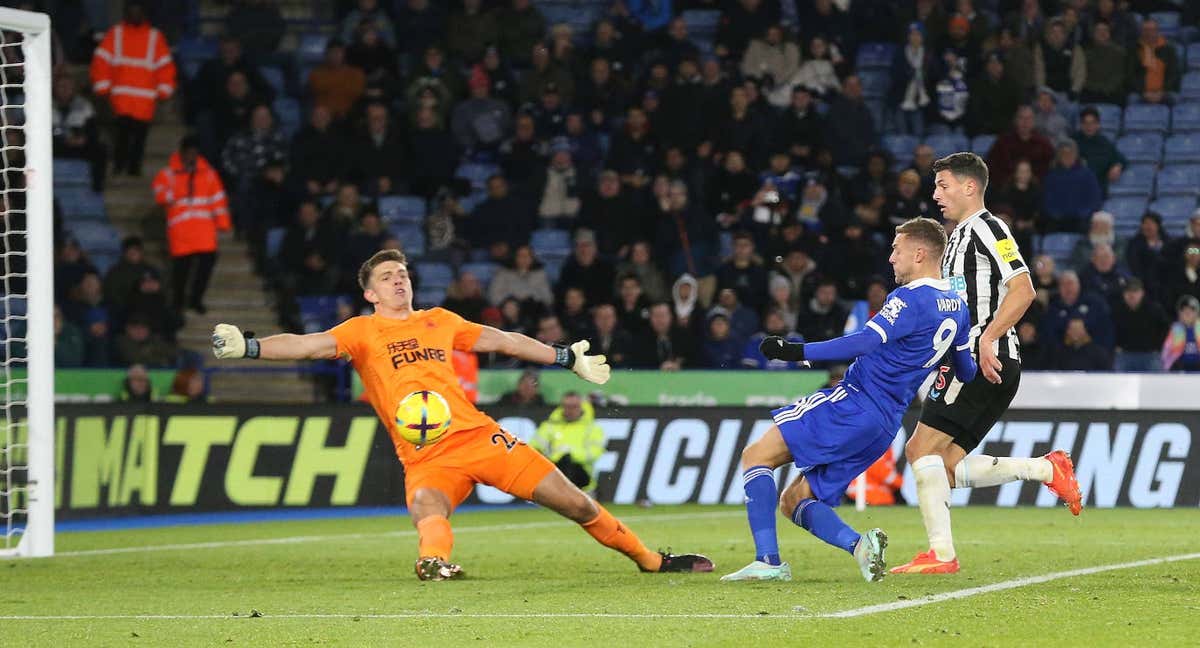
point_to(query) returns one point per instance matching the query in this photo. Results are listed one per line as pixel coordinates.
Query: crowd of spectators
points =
(714, 190)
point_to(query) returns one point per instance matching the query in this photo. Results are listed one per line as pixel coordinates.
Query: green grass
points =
(542, 564)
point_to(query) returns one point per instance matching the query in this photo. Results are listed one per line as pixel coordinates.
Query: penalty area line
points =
(999, 587)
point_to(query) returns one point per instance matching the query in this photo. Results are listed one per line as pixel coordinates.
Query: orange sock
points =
(608, 531)
(434, 537)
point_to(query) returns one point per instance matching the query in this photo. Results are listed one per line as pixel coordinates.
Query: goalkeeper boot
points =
(1063, 483)
(869, 555)
(761, 571)
(436, 569)
(683, 563)
(927, 563)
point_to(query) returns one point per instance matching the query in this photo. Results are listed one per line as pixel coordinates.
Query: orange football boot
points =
(1064, 484)
(927, 563)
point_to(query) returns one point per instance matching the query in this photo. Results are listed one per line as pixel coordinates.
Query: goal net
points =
(26, 286)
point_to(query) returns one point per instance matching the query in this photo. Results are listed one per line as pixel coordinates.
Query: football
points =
(422, 417)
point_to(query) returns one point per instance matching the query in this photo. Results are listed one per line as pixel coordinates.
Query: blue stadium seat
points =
(981, 144)
(553, 268)
(1147, 117)
(1175, 209)
(434, 274)
(550, 244)
(702, 22)
(1189, 87)
(476, 173)
(1184, 147)
(725, 244)
(288, 114)
(412, 239)
(273, 75)
(96, 238)
(1168, 22)
(275, 237)
(430, 297)
(402, 209)
(1193, 56)
(944, 145)
(317, 312)
(470, 201)
(1136, 180)
(104, 261)
(1059, 245)
(1141, 147)
(311, 48)
(875, 83)
(1110, 115)
(81, 204)
(483, 271)
(875, 56)
(72, 173)
(1179, 180)
(1185, 117)
(900, 147)
(195, 49)
(1126, 208)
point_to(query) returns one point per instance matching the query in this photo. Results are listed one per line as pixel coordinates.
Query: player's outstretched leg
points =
(762, 495)
(819, 519)
(558, 494)
(1055, 470)
(430, 509)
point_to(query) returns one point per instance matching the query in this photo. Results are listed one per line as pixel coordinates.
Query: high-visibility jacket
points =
(133, 68)
(196, 206)
(582, 439)
(882, 481)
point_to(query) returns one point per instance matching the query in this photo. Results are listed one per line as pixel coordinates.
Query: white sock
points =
(982, 470)
(933, 495)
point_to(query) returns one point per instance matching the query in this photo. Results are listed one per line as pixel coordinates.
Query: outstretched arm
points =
(228, 341)
(842, 348)
(592, 368)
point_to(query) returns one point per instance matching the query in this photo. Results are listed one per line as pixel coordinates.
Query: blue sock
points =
(761, 499)
(822, 521)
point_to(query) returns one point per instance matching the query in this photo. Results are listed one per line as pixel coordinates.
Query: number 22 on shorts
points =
(506, 439)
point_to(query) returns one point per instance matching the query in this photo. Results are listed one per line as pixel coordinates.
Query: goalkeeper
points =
(399, 350)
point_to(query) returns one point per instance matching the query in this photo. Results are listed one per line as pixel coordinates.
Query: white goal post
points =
(27, 481)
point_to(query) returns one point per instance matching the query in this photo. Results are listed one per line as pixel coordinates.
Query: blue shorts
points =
(833, 436)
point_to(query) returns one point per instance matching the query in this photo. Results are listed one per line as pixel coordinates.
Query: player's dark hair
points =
(964, 164)
(382, 256)
(928, 231)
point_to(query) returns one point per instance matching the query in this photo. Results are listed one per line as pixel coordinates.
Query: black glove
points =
(778, 348)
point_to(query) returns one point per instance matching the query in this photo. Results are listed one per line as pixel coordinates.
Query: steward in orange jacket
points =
(191, 191)
(883, 482)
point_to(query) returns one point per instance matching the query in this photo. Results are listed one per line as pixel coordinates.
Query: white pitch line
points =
(999, 587)
(252, 542)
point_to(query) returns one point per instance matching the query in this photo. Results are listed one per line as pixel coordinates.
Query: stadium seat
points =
(1141, 147)
(96, 238)
(944, 145)
(311, 48)
(981, 144)
(317, 312)
(81, 204)
(288, 114)
(412, 239)
(1175, 208)
(725, 244)
(1147, 117)
(195, 49)
(1110, 115)
(1168, 23)
(273, 75)
(72, 173)
(431, 274)
(1059, 245)
(1179, 180)
(483, 271)
(875, 56)
(1184, 147)
(1193, 56)
(550, 244)
(1136, 180)
(402, 209)
(1185, 118)
(553, 268)
(476, 173)
(1126, 208)
(275, 237)
(1189, 87)
(104, 261)
(470, 201)
(900, 147)
(875, 83)
(702, 22)
(430, 297)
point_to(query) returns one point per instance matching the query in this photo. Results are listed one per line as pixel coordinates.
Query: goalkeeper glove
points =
(592, 368)
(778, 348)
(228, 341)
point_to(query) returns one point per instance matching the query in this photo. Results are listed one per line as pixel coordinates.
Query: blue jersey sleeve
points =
(897, 317)
(964, 363)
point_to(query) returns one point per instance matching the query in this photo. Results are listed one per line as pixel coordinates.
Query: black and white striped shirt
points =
(981, 256)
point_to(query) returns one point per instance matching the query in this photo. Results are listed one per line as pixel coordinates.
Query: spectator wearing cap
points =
(1181, 349)
(1046, 119)
(1154, 65)
(470, 30)
(334, 84)
(370, 12)
(560, 201)
(608, 210)
(1100, 232)
(1141, 325)
(1058, 63)
(121, 280)
(481, 123)
(913, 72)
(1021, 142)
(1107, 67)
(801, 126)
(1103, 276)
(1146, 254)
(1072, 191)
(1185, 279)
(1101, 155)
(503, 216)
(587, 270)
(520, 25)
(769, 58)
(431, 143)
(851, 126)
(994, 98)
(1072, 302)
(1077, 351)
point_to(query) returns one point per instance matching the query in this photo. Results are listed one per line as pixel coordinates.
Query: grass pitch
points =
(537, 580)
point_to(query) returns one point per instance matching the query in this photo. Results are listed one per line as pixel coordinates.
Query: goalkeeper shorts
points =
(487, 455)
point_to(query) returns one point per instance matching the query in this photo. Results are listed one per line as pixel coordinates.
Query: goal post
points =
(27, 482)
